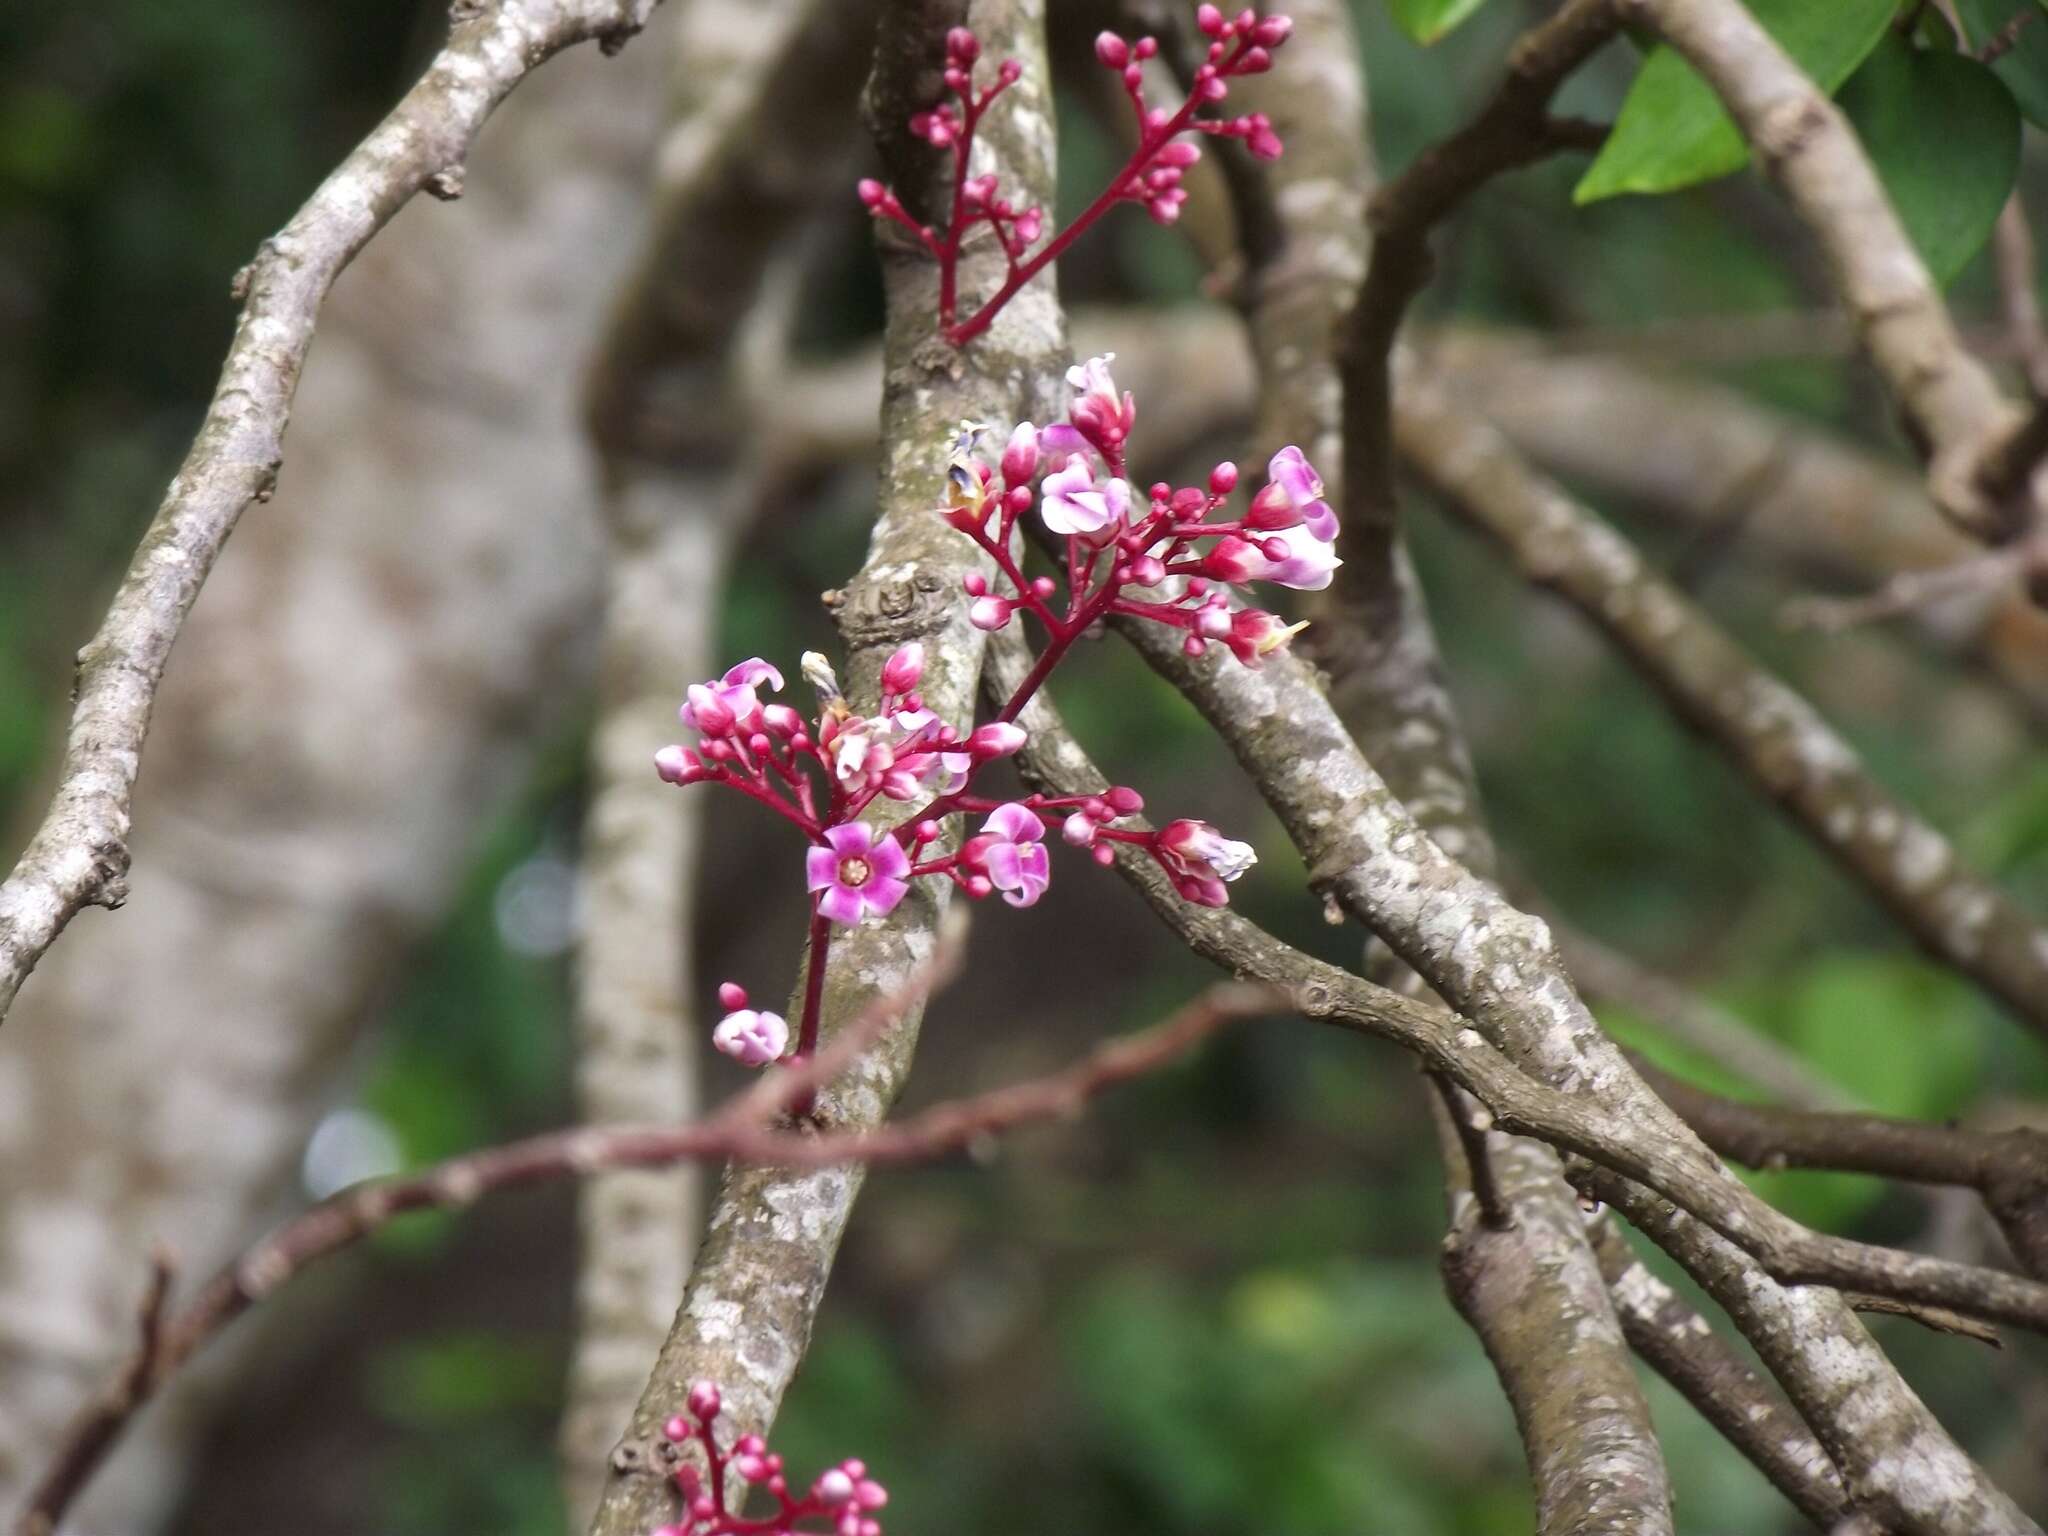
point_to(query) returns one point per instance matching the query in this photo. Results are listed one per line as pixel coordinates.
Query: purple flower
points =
(752, 1039)
(1073, 504)
(1010, 850)
(860, 874)
(716, 708)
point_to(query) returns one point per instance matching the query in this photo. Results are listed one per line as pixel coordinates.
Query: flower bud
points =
(1263, 142)
(872, 193)
(711, 714)
(1112, 50)
(781, 720)
(989, 613)
(1255, 61)
(704, 1401)
(731, 996)
(962, 45)
(1223, 479)
(1124, 800)
(677, 1428)
(1079, 830)
(833, 1487)
(999, 738)
(1273, 509)
(1272, 31)
(1210, 20)
(902, 670)
(678, 765)
(1148, 571)
(1020, 455)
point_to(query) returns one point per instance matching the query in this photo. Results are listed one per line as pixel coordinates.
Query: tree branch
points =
(1954, 409)
(761, 1274)
(1770, 732)
(1682, 1347)
(737, 1131)
(1580, 1094)
(78, 856)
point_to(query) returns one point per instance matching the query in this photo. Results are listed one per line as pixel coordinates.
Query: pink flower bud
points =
(1223, 479)
(989, 613)
(901, 672)
(678, 765)
(1124, 800)
(1255, 61)
(704, 1401)
(1148, 571)
(1272, 31)
(1010, 73)
(962, 45)
(1194, 645)
(712, 715)
(1181, 153)
(1112, 50)
(1020, 455)
(677, 1428)
(999, 738)
(1273, 509)
(1078, 830)
(872, 1495)
(781, 720)
(873, 193)
(834, 1487)
(731, 996)
(1210, 20)
(1145, 47)
(1264, 143)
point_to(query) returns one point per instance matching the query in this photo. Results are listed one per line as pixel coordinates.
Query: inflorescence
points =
(1162, 557)
(842, 1500)
(1237, 46)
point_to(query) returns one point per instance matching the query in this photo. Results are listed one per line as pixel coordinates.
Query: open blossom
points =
(1292, 557)
(1201, 860)
(858, 873)
(1010, 851)
(1293, 497)
(752, 1038)
(1074, 504)
(1098, 414)
(718, 708)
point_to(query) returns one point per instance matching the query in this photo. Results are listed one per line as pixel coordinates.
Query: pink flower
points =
(1073, 504)
(1099, 414)
(1200, 860)
(1255, 634)
(753, 1039)
(1020, 454)
(1010, 850)
(860, 874)
(1292, 557)
(1293, 495)
(717, 708)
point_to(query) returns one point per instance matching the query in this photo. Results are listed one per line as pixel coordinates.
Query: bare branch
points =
(2012, 251)
(1693, 1021)
(79, 854)
(1682, 1347)
(2009, 1168)
(762, 97)
(1955, 410)
(1690, 451)
(736, 1131)
(1770, 732)
(1580, 1094)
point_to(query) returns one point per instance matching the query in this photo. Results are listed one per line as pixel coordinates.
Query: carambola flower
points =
(859, 873)
(1010, 851)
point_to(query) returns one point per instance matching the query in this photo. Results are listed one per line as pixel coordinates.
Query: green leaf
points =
(1944, 135)
(1428, 20)
(1672, 131)
(2024, 66)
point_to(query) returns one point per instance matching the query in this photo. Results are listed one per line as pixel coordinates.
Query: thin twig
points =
(78, 856)
(735, 1131)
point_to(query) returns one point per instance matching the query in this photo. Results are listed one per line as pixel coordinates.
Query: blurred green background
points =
(1213, 1306)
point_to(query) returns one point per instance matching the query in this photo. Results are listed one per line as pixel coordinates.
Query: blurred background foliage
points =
(1213, 1306)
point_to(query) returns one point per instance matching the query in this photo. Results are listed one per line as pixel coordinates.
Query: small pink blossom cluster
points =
(1115, 543)
(841, 1501)
(1161, 560)
(1151, 177)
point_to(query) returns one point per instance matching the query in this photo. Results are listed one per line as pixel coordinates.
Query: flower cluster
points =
(1167, 546)
(1151, 177)
(1163, 557)
(841, 1501)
